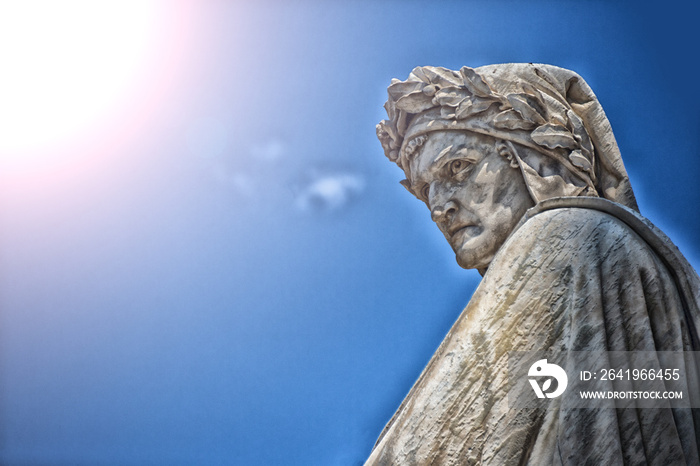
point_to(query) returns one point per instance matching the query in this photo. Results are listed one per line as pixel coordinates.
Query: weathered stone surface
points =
(520, 170)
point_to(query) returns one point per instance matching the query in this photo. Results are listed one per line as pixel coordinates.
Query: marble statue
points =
(520, 170)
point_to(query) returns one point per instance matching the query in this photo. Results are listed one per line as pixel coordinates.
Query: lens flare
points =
(65, 66)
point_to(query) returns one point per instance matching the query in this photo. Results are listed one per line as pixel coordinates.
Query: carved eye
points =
(425, 192)
(459, 166)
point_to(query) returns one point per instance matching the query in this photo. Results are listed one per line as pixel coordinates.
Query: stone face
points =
(520, 170)
(474, 190)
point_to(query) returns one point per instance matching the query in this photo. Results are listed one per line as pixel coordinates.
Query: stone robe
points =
(578, 274)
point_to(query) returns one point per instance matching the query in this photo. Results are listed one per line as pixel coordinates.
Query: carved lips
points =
(459, 230)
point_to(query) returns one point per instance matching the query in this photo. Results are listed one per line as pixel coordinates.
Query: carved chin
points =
(472, 248)
(474, 257)
(477, 254)
(469, 261)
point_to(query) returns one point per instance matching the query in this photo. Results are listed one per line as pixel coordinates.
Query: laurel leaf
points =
(384, 139)
(415, 102)
(479, 105)
(386, 127)
(451, 96)
(578, 159)
(474, 82)
(553, 136)
(536, 102)
(463, 110)
(382, 133)
(390, 107)
(402, 122)
(402, 88)
(441, 76)
(554, 107)
(419, 74)
(472, 107)
(510, 119)
(526, 105)
(580, 132)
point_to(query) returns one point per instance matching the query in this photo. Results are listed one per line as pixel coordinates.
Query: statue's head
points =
(481, 146)
(473, 188)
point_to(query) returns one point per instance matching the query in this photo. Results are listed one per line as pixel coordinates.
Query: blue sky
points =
(219, 266)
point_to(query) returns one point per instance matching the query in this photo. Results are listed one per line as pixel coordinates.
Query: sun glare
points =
(65, 64)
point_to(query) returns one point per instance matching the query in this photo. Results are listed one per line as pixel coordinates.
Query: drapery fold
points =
(579, 274)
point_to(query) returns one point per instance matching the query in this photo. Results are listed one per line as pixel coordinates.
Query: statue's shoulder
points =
(570, 222)
(589, 228)
(581, 211)
(586, 231)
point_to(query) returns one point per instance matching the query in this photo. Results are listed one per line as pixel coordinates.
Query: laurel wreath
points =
(461, 95)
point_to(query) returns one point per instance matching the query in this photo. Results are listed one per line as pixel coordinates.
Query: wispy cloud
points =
(329, 192)
(247, 169)
(269, 151)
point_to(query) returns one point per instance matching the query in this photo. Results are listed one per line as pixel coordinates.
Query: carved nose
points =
(441, 214)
